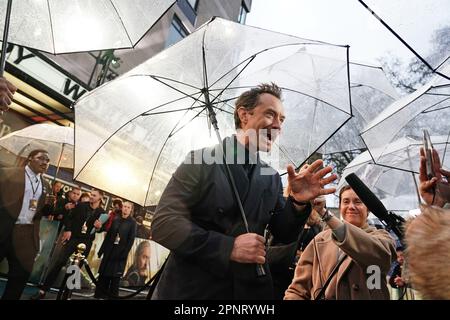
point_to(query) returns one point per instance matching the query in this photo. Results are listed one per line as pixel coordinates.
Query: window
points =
(193, 4)
(242, 13)
(188, 7)
(176, 31)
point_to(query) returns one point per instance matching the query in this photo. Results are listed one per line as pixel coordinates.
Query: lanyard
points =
(32, 186)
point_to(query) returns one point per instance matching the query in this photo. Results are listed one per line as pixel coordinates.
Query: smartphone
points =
(428, 147)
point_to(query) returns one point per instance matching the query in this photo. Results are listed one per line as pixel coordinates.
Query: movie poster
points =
(144, 260)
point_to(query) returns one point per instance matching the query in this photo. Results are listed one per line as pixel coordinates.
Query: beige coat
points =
(364, 247)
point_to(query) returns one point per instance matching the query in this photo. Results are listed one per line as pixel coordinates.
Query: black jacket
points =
(12, 188)
(198, 219)
(78, 216)
(115, 255)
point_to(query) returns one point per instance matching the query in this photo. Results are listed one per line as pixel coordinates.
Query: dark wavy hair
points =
(250, 99)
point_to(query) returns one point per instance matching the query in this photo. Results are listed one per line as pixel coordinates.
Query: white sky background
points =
(348, 22)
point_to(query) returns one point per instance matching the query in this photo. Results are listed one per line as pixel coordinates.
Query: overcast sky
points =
(348, 22)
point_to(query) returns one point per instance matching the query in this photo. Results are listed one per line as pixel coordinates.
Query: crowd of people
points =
(231, 231)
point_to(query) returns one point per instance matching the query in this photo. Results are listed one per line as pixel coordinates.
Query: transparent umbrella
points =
(57, 140)
(138, 128)
(371, 93)
(397, 189)
(421, 26)
(65, 26)
(426, 108)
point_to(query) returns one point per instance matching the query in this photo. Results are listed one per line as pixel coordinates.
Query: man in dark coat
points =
(115, 248)
(65, 205)
(23, 193)
(79, 227)
(212, 255)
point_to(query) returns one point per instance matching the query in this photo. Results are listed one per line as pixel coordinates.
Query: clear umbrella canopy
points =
(403, 154)
(57, 140)
(371, 93)
(423, 25)
(397, 189)
(426, 108)
(140, 126)
(63, 26)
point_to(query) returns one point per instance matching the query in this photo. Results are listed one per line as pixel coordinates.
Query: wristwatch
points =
(327, 216)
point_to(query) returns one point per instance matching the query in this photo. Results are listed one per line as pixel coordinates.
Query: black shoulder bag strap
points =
(157, 276)
(333, 272)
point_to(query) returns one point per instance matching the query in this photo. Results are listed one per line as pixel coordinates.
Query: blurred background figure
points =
(428, 252)
(142, 231)
(80, 226)
(398, 281)
(52, 200)
(64, 206)
(115, 211)
(85, 196)
(115, 248)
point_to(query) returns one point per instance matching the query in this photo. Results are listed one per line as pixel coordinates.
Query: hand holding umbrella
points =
(434, 191)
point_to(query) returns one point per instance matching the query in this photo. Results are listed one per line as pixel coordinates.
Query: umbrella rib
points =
(180, 128)
(287, 89)
(348, 82)
(223, 110)
(235, 67)
(191, 108)
(121, 22)
(205, 71)
(167, 103)
(286, 153)
(224, 102)
(445, 148)
(320, 146)
(198, 114)
(399, 110)
(357, 85)
(51, 25)
(437, 94)
(169, 111)
(173, 80)
(267, 49)
(318, 99)
(438, 109)
(237, 75)
(401, 40)
(171, 87)
(395, 168)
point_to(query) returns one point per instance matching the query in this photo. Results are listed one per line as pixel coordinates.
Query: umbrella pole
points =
(212, 116)
(59, 163)
(5, 37)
